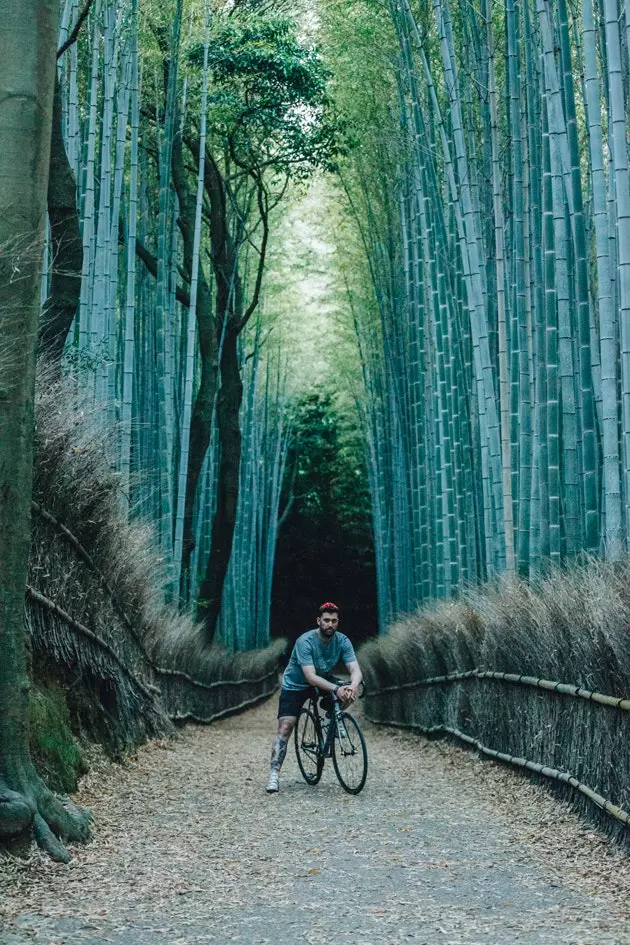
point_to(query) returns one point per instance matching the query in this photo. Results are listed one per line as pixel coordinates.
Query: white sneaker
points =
(273, 785)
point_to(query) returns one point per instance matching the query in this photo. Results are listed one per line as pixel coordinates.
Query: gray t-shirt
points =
(310, 651)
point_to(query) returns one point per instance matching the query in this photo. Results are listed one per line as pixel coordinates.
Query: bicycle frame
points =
(326, 731)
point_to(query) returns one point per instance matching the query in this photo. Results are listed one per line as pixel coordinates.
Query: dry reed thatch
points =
(572, 627)
(96, 614)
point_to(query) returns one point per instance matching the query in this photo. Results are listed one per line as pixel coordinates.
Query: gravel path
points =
(440, 848)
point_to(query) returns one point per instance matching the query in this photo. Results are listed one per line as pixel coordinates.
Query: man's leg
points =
(286, 724)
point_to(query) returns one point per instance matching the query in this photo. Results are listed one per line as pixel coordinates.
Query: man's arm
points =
(346, 694)
(314, 680)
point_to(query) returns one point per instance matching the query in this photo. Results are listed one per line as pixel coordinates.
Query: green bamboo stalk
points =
(116, 299)
(605, 300)
(553, 233)
(192, 316)
(129, 349)
(617, 124)
(88, 190)
(499, 242)
(164, 415)
(565, 134)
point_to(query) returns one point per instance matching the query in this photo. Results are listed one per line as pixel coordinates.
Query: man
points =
(314, 656)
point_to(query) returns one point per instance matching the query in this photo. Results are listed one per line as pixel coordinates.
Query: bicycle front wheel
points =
(308, 746)
(350, 758)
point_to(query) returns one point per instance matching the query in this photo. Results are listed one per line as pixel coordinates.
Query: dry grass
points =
(572, 627)
(120, 598)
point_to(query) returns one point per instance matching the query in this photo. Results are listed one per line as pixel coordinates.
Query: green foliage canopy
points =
(269, 101)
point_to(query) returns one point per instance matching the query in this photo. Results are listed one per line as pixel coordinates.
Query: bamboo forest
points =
(302, 302)
(477, 186)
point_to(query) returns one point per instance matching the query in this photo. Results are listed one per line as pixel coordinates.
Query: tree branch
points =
(74, 35)
(264, 216)
(151, 263)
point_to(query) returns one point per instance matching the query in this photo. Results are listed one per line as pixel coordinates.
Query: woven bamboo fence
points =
(137, 672)
(574, 737)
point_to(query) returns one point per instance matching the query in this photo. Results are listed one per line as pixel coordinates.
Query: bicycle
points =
(336, 735)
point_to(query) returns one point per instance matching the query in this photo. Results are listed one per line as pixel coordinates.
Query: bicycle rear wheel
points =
(350, 758)
(308, 746)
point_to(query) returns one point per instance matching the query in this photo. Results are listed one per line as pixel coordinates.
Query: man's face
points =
(328, 623)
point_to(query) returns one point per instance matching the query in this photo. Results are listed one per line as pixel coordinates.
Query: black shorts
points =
(292, 700)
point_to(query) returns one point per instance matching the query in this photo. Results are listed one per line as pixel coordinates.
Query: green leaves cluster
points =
(269, 97)
(326, 466)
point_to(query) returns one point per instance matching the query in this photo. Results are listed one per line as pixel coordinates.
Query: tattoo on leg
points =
(278, 752)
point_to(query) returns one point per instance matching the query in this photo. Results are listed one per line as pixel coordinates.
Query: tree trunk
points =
(228, 407)
(67, 246)
(28, 42)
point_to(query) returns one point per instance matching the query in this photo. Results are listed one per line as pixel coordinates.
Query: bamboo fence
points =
(143, 693)
(473, 711)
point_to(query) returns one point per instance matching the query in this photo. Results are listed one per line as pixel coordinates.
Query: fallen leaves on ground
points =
(439, 848)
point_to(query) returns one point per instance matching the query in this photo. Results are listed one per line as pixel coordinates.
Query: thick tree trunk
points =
(67, 246)
(228, 407)
(27, 51)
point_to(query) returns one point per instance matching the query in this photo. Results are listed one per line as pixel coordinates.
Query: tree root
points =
(15, 813)
(50, 819)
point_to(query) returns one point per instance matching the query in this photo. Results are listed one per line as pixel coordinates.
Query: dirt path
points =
(440, 848)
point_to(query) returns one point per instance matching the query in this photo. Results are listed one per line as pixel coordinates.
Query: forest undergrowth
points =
(570, 628)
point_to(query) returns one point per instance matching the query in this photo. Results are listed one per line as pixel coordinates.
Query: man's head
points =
(328, 619)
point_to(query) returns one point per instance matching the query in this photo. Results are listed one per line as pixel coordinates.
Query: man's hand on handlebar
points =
(347, 694)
